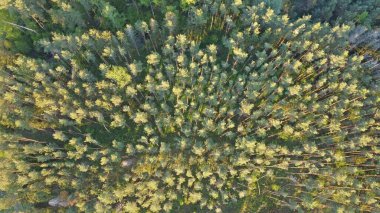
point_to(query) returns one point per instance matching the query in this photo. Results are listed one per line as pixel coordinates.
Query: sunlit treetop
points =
(234, 101)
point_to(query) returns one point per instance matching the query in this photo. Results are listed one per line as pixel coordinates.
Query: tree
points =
(338, 11)
(277, 110)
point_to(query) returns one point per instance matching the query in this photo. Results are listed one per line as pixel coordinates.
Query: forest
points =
(186, 106)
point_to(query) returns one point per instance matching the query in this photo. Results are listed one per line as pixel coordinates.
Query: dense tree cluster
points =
(364, 12)
(198, 105)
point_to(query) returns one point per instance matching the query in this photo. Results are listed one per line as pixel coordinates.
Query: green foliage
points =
(197, 109)
(362, 12)
(12, 37)
(276, 5)
(119, 75)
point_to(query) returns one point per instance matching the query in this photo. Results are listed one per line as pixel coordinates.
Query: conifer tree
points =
(154, 117)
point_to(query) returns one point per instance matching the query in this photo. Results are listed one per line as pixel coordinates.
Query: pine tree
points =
(277, 110)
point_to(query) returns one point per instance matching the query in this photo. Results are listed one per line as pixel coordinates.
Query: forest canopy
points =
(190, 106)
